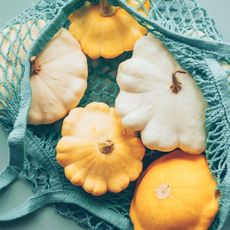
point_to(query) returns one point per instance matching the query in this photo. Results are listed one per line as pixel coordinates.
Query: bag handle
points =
(30, 205)
(8, 176)
(76, 197)
(17, 136)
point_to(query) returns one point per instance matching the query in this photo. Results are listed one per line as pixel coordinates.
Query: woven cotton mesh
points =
(15, 41)
(27, 35)
(184, 17)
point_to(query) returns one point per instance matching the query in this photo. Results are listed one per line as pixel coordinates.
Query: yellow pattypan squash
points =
(177, 192)
(161, 99)
(58, 79)
(104, 30)
(97, 152)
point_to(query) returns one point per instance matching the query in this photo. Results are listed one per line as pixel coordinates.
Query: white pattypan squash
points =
(59, 79)
(160, 99)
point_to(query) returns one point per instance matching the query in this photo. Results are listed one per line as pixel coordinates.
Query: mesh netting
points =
(28, 34)
(189, 19)
(15, 41)
(183, 17)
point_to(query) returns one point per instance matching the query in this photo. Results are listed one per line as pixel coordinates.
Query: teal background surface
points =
(47, 218)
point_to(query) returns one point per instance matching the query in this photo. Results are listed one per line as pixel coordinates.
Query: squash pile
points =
(100, 149)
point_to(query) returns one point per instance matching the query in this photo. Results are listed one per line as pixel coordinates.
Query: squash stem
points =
(163, 191)
(106, 147)
(35, 68)
(106, 9)
(176, 84)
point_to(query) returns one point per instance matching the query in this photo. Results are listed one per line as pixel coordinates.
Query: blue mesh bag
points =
(188, 33)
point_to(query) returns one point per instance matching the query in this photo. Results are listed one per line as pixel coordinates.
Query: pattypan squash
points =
(160, 99)
(58, 79)
(104, 30)
(176, 192)
(97, 152)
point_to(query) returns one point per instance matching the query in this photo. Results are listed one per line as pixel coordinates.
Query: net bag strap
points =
(30, 205)
(42, 199)
(16, 143)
